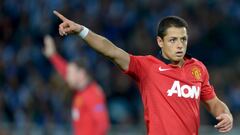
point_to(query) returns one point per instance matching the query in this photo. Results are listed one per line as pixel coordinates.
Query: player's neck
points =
(178, 63)
(84, 83)
(175, 63)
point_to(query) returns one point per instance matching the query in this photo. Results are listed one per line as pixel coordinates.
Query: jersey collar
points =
(166, 61)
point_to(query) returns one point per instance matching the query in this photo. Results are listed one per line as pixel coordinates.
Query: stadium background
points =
(33, 98)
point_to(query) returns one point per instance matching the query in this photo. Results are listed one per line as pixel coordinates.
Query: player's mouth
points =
(179, 54)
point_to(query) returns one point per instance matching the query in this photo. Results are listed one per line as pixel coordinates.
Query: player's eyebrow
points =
(173, 37)
(184, 37)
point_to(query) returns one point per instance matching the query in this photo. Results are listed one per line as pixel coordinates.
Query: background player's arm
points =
(95, 41)
(57, 61)
(219, 109)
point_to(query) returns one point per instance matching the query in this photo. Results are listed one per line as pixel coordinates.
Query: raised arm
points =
(95, 41)
(59, 63)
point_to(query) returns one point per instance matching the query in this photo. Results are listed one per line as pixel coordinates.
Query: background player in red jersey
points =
(171, 86)
(89, 112)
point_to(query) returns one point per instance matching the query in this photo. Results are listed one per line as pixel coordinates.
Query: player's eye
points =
(184, 39)
(172, 40)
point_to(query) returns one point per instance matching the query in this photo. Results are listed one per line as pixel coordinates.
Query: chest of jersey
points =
(176, 82)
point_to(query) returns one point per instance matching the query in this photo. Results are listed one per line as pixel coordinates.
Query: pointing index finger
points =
(60, 15)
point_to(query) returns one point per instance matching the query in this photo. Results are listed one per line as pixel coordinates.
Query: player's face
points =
(174, 43)
(76, 77)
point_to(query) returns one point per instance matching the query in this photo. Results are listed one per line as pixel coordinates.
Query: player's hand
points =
(67, 26)
(225, 123)
(49, 46)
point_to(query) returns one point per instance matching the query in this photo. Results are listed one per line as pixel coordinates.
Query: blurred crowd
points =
(32, 92)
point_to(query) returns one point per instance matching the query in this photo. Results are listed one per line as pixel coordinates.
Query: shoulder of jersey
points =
(146, 57)
(198, 62)
(152, 58)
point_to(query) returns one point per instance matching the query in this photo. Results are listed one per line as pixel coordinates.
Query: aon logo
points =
(185, 91)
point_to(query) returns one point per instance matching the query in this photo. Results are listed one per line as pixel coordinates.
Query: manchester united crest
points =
(78, 101)
(196, 73)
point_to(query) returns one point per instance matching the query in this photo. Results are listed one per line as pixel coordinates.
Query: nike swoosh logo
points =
(164, 69)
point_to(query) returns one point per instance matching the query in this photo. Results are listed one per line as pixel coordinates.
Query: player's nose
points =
(180, 45)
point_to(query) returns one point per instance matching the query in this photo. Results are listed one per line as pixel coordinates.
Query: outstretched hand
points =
(49, 46)
(67, 26)
(225, 123)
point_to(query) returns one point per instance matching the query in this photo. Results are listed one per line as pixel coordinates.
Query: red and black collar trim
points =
(166, 61)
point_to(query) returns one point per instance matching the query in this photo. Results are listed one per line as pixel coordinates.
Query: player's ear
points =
(160, 41)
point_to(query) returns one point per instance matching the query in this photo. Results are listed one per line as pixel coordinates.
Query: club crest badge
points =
(78, 102)
(196, 73)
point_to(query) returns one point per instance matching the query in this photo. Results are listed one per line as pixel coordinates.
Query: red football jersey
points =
(89, 111)
(171, 94)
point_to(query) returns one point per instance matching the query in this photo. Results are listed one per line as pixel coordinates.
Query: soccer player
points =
(89, 112)
(171, 85)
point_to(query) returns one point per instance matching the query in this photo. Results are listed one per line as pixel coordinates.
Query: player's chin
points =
(72, 85)
(178, 58)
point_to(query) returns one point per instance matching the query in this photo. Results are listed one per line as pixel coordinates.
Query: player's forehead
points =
(178, 32)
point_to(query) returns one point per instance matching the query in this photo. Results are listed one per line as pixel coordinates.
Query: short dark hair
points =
(82, 63)
(170, 21)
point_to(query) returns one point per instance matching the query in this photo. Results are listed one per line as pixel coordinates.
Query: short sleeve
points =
(135, 68)
(207, 90)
